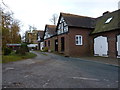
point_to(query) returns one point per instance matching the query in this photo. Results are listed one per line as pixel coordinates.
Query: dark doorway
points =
(62, 44)
(45, 44)
(56, 45)
(49, 43)
(39, 46)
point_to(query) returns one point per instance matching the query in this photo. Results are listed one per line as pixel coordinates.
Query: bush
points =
(18, 51)
(7, 51)
(23, 49)
(45, 49)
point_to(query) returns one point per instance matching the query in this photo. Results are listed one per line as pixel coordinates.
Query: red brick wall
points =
(52, 43)
(66, 43)
(46, 43)
(112, 45)
(71, 49)
(79, 50)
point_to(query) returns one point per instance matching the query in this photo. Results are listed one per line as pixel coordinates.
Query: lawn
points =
(16, 57)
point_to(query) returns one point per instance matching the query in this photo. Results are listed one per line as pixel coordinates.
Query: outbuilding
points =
(49, 37)
(106, 36)
(73, 34)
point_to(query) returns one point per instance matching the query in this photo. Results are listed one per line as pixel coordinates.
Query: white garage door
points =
(101, 46)
(118, 45)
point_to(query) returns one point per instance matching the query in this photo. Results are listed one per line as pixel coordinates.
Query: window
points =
(45, 44)
(108, 20)
(58, 31)
(78, 40)
(66, 29)
(49, 43)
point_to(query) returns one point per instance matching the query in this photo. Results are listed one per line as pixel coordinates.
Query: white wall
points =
(42, 45)
(118, 45)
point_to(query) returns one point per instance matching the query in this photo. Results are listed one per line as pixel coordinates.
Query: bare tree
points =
(54, 19)
(32, 28)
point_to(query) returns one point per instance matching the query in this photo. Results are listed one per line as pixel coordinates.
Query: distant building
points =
(50, 37)
(106, 36)
(40, 39)
(31, 37)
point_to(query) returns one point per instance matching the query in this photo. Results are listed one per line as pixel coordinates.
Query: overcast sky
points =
(38, 12)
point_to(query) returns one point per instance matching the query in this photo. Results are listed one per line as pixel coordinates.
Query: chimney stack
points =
(106, 13)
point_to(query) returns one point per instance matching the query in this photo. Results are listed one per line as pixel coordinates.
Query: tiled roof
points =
(108, 22)
(51, 29)
(41, 33)
(78, 21)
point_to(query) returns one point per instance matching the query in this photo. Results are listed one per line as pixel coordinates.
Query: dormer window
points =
(62, 27)
(108, 20)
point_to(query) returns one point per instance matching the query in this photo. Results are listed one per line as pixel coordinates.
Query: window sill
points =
(79, 44)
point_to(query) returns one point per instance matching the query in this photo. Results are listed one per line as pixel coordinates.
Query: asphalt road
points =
(48, 70)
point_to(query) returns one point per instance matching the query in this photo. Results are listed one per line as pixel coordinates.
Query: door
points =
(101, 46)
(118, 45)
(62, 44)
(39, 45)
(56, 45)
(42, 45)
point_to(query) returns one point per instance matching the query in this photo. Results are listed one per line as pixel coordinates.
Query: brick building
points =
(49, 36)
(73, 34)
(106, 36)
(77, 35)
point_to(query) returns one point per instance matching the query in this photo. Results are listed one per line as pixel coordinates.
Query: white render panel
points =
(118, 45)
(42, 45)
(101, 46)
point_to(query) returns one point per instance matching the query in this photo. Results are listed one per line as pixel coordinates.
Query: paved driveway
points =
(53, 71)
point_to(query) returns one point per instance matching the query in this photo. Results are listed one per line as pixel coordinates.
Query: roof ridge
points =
(76, 15)
(40, 31)
(50, 25)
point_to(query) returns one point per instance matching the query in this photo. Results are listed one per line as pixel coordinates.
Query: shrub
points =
(7, 51)
(45, 49)
(23, 49)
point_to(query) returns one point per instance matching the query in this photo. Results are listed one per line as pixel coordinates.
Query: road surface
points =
(48, 70)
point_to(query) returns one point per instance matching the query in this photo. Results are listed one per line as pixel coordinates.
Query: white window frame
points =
(79, 40)
(108, 20)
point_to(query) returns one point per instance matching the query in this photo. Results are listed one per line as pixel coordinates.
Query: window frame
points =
(79, 39)
(108, 20)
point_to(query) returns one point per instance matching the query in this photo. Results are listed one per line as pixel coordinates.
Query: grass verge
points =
(16, 57)
(0, 58)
